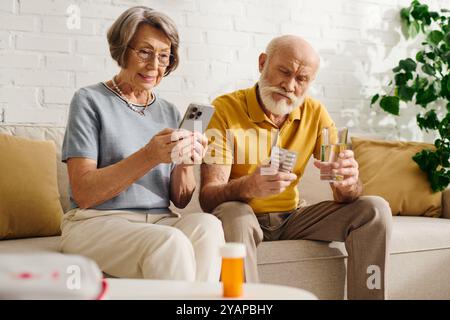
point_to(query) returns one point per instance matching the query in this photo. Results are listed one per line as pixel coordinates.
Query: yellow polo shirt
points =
(241, 135)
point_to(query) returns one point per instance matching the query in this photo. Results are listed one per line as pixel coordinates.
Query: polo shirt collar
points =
(256, 112)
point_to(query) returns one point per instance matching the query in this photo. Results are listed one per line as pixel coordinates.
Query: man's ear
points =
(262, 61)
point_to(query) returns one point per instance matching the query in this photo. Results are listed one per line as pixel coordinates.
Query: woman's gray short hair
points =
(124, 28)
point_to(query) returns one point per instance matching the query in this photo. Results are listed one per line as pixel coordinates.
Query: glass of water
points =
(334, 141)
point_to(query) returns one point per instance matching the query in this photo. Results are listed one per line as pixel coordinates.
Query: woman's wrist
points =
(149, 156)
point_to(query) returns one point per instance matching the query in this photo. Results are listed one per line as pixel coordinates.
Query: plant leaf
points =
(419, 11)
(404, 14)
(430, 55)
(420, 83)
(424, 97)
(445, 158)
(435, 37)
(431, 119)
(428, 69)
(447, 38)
(447, 57)
(406, 93)
(408, 65)
(374, 99)
(390, 104)
(420, 57)
(434, 15)
(400, 79)
(413, 29)
(445, 87)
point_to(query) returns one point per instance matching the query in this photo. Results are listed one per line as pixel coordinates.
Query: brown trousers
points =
(364, 225)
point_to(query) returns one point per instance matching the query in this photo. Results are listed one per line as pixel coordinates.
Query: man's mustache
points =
(292, 97)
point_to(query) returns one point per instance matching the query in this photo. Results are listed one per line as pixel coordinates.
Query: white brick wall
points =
(7, 5)
(42, 62)
(43, 43)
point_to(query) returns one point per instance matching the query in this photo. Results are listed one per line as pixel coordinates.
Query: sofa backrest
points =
(312, 190)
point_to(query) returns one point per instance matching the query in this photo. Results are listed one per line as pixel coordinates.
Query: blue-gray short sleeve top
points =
(103, 128)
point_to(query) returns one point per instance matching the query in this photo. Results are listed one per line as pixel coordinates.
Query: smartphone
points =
(197, 117)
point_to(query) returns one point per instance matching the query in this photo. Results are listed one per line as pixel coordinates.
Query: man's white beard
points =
(281, 107)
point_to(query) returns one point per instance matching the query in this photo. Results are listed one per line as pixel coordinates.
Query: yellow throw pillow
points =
(386, 169)
(29, 197)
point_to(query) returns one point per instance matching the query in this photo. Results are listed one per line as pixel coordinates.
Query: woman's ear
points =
(262, 61)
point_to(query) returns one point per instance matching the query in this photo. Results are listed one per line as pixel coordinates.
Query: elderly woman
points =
(119, 146)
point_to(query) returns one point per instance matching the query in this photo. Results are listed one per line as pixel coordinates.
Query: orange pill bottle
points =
(232, 276)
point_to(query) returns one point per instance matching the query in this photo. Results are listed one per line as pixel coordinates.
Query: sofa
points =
(419, 256)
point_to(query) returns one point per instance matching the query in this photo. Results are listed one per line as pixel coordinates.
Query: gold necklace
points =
(129, 104)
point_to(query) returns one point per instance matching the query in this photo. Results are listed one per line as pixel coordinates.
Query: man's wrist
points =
(353, 191)
(351, 194)
(357, 190)
(341, 196)
(244, 189)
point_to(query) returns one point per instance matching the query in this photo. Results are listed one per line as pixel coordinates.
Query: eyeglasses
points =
(148, 55)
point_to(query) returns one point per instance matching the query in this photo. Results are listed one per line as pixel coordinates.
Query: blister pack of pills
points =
(282, 159)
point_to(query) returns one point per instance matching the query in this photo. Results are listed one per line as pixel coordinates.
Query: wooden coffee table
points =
(140, 289)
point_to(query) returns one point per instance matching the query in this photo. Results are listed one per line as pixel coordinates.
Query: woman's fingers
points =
(190, 144)
(180, 134)
(201, 138)
(188, 151)
(165, 131)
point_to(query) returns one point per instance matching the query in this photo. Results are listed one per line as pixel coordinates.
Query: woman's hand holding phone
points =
(190, 148)
(177, 146)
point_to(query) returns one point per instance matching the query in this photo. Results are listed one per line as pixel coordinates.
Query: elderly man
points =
(255, 205)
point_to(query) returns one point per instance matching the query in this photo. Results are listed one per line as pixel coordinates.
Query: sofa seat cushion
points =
(294, 250)
(30, 245)
(420, 234)
(409, 234)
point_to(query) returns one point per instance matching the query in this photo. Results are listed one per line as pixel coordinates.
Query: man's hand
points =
(350, 187)
(266, 181)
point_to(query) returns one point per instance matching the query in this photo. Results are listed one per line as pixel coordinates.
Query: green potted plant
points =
(425, 81)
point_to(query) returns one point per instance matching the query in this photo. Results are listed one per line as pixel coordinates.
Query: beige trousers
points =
(155, 246)
(364, 225)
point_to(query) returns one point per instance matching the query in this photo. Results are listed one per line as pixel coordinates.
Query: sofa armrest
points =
(446, 203)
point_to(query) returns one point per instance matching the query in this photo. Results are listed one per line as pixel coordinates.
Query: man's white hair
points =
(287, 40)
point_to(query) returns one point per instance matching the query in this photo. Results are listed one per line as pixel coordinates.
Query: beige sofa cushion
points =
(49, 133)
(409, 234)
(386, 169)
(29, 198)
(31, 245)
